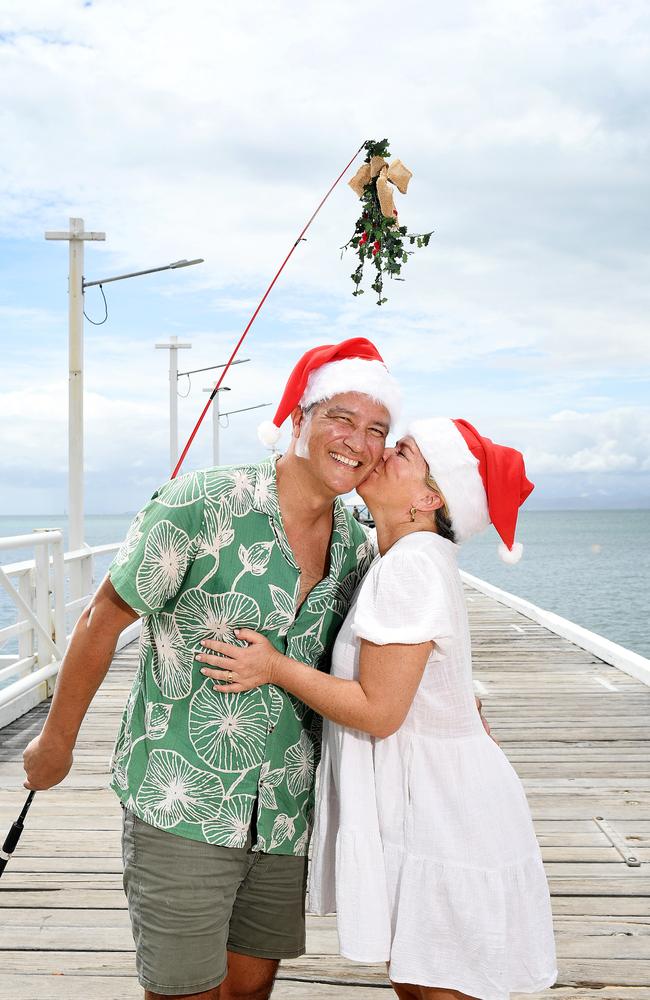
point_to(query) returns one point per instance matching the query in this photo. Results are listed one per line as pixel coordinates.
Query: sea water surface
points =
(592, 567)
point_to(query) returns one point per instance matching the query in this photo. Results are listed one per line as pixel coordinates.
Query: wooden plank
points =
(16, 987)
(581, 746)
(61, 897)
(34, 986)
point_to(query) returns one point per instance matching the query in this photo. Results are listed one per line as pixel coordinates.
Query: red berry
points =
(364, 239)
(377, 246)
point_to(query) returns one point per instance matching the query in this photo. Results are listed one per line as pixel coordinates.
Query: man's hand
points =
(48, 758)
(239, 668)
(47, 761)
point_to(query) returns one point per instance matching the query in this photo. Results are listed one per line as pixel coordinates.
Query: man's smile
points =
(344, 461)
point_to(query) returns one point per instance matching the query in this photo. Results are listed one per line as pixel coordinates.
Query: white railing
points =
(611, 652)
(45, 615)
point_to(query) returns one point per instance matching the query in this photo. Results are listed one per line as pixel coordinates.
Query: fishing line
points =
(254, 316)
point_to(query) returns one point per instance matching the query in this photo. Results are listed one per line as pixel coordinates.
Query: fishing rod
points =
(254, 316)
(16, 830)
(12, 838)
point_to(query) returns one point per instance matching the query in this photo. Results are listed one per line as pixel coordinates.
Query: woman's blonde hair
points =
(444, 524)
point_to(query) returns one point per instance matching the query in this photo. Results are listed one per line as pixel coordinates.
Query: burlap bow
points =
(386, 175)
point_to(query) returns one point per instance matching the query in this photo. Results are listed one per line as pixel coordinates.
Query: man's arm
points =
(48, 758)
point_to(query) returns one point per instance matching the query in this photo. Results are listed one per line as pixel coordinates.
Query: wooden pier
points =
(576, 730)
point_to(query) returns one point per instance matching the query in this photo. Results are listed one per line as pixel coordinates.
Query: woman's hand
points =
(239, 668)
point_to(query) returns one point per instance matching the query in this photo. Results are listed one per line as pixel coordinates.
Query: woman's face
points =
(398, 481)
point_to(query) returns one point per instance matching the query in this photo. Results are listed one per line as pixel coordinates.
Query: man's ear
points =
(296, 421)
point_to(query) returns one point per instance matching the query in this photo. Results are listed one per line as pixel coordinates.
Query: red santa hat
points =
(481, 482)
(352, 366)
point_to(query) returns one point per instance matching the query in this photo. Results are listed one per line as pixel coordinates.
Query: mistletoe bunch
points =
(378, 239)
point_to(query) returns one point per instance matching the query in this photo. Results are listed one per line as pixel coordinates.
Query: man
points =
(218, 791)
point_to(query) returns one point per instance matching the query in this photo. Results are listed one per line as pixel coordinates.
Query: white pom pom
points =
(512, 555)
(268, 433)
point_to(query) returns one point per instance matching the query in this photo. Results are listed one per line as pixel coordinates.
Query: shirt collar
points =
(266, 501)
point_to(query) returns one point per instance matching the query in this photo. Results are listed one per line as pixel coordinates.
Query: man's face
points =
(342, 439)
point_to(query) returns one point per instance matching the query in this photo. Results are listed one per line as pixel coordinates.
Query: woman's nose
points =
(388, 452)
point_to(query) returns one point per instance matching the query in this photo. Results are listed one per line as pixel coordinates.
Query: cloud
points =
(214, 130)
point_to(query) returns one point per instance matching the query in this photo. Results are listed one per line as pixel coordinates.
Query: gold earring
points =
(413, 511)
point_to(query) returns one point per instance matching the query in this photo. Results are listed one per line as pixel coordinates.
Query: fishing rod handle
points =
(11, 841)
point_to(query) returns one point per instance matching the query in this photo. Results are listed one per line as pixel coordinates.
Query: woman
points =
(424, 843)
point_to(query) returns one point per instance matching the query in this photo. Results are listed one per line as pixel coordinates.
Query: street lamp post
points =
(215, 421)
(76, 237)
(173, 347)
(77, 285)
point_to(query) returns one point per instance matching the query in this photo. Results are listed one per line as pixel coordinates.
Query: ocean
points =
(592, 567)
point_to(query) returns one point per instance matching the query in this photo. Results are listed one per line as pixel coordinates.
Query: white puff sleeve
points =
(403, 599)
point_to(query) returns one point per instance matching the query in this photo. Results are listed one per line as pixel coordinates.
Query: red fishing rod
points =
(16, 830)
(254, 316)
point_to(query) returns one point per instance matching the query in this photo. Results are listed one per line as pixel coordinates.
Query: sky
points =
(212, 130)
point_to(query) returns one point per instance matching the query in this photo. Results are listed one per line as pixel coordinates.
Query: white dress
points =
(424, 845)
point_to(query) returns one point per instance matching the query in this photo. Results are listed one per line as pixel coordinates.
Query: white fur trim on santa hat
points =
(369, 377)
(512, 555)
(268, 433)
(455, 470)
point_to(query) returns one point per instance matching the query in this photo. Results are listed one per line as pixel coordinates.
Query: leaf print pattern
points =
(305, 648)
(276, 703)
(300, 764)
(366, 553)
(282, 541)
(173, 791)
(173, 662)
(341, 521)
(322, 596)
(182, 491)
(163, 565)
(233, 487)
(284, 828)
(301, 845)
(228, 731)
(130, 543)
(218, 532)
(122, 756)
(266, 492)
(156, 719)
(282, 617)
(186, 732)
(230, 828)
(337, 558)
(199, 615)
(269, 780)
(255, 559)
(344, 593)
(299, 708)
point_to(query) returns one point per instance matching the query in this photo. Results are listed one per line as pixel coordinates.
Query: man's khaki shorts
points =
(190, 902)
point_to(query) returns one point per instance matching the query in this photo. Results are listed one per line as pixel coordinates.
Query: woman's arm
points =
(377, 703)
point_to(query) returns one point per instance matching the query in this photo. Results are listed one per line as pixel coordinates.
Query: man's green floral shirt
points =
(209, 554)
